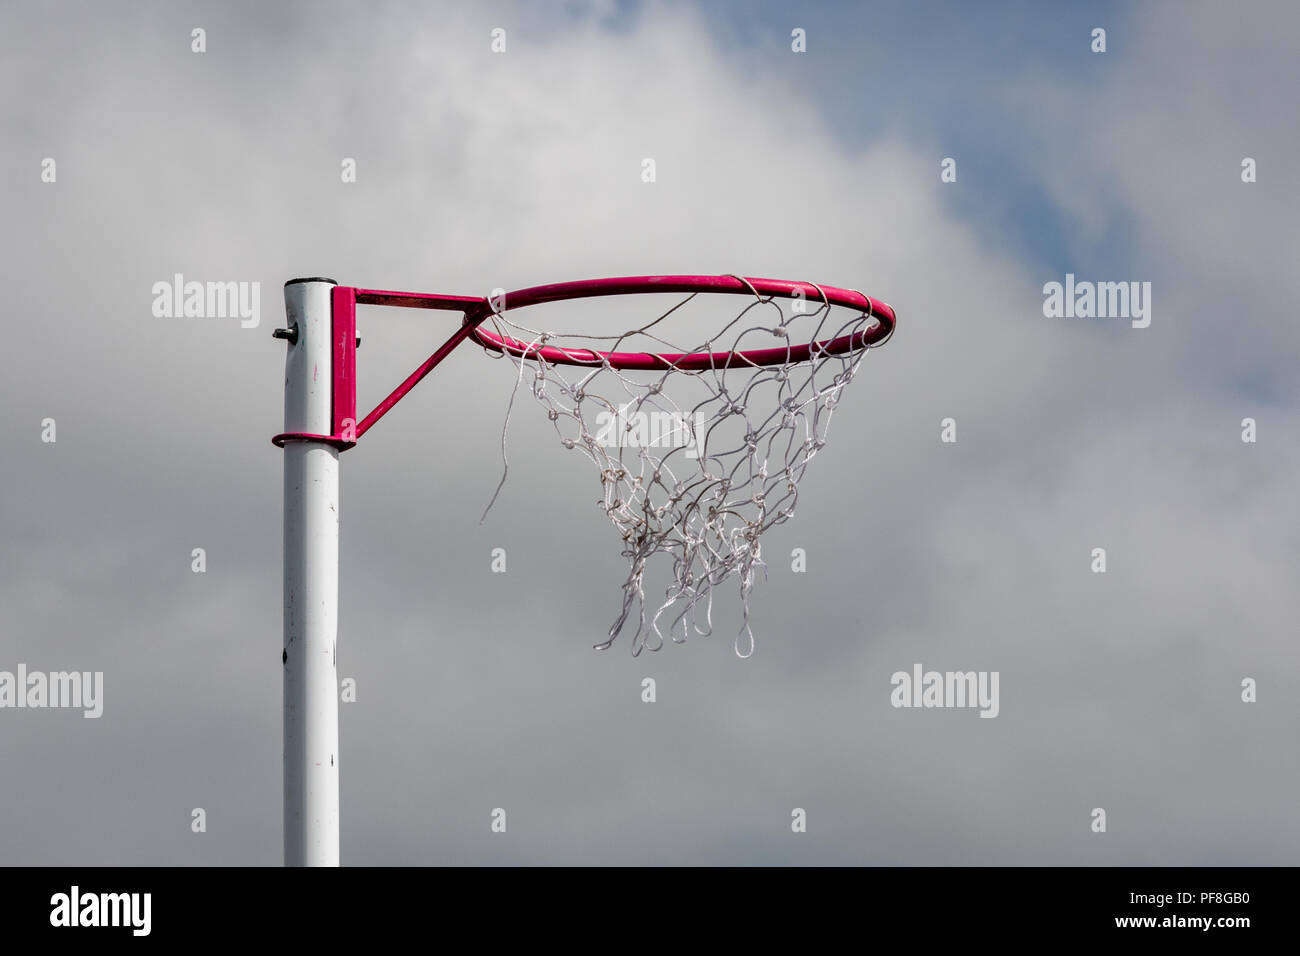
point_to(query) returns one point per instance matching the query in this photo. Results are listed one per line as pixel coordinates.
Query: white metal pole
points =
(311, 585)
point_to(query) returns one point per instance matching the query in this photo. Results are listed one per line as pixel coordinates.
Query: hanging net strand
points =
(699, 450)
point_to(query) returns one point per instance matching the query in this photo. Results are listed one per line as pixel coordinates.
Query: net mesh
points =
(694, 465)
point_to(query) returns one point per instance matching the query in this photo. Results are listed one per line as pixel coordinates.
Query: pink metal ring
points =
(642, 285)
(279, 440)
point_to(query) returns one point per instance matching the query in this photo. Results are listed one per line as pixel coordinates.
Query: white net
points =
(694, 464)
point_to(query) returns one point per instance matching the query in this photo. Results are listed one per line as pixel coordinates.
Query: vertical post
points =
(311, 582)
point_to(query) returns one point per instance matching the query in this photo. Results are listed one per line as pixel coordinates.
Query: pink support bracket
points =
(345, 429)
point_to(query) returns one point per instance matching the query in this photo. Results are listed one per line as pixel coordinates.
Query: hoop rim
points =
(694, 284)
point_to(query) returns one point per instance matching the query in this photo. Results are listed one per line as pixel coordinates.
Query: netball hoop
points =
(700, 445)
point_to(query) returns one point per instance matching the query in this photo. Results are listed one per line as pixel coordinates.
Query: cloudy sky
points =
(478, 169)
